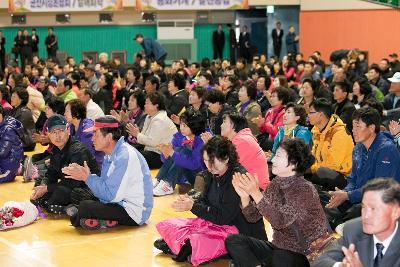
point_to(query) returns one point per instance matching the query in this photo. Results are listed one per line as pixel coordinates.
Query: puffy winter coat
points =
(11, 152)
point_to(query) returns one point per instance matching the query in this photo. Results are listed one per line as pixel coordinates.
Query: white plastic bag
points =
(29, 216)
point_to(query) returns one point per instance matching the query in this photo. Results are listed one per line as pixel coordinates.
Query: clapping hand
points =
(337, 197)
(76, 172)
(166, 150)
(132, 129)
(175, 119)
(206, 136)
(351, 257)
(257, 121)
(183, 203)
(394, 127)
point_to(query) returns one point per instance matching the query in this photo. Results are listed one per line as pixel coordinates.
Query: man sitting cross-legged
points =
(55, 192)
(125, 189)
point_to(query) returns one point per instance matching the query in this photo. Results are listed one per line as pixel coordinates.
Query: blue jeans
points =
(171, 172)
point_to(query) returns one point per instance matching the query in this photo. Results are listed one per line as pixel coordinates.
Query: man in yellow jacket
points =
(332, 147)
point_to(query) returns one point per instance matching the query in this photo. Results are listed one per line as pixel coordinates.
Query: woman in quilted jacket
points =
(11, 152)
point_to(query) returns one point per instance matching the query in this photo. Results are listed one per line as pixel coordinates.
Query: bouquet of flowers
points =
(9, 215)
(16, 214)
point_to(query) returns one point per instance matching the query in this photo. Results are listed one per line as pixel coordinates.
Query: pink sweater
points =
(251, 156)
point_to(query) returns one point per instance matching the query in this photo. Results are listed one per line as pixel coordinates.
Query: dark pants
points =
(2, 61)
(153, 159)
(342, 213)
(64, 195)
(232, 50)
(171, 172)
(218, 52)
(277, 50)
(163, 58)
(26, 58)
(52, 53)
(90, 209)
(249, 252)
(328, 179)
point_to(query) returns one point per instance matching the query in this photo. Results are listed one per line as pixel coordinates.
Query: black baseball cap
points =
(57, 122)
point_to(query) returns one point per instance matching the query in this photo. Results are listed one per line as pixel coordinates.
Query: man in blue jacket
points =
(125, 189)
(152, 48)
(375, 155)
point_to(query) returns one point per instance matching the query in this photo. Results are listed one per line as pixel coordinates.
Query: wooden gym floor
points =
(52, 241)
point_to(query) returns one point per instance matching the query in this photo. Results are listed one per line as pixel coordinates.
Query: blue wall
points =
(75, 39)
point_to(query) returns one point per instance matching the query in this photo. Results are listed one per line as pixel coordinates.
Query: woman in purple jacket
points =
(11, 152)
(75, 113)
(182, 157)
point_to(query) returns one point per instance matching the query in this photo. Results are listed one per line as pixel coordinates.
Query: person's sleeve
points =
(388, 162)
(106, 188)
(221, 215)
(289, 73)
(270, 128)
(191, 161)
(6, 142)
(341, 145)
(154, 137)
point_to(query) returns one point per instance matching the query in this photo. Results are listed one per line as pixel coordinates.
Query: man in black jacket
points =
(277, 35)
(343, 107)
(55, 192)
(218, 42)
(232, 44)
(26, 49)
(51, 44)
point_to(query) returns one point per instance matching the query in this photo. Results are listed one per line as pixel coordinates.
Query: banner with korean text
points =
(15, 6)
(152, 5)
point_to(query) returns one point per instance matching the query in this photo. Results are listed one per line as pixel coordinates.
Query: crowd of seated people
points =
(296, 142)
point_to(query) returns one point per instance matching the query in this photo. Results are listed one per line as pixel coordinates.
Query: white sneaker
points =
(162, 189)
(156, 183)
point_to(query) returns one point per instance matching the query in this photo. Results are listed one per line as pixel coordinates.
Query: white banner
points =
(15, 6)
(152, 5)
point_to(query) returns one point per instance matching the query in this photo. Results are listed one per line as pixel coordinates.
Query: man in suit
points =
(244, 44)
(277, 35)
(218, 39)
(372, 240)
(232, 44)
(26, 49)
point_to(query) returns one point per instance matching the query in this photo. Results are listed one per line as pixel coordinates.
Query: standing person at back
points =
(244, 44)
(291, 41)
(232, 44)
(51, 43)
(277, 35)
(152, 48)
(218, 39)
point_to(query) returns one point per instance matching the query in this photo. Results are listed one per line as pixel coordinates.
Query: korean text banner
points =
(150, 5)
(15, 6)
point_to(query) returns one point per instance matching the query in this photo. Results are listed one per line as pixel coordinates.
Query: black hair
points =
(194, 120)
(222, 149)
(157, 98)
(369, 116)
(389, 187)
(18, 79)
(185, 62)
(4, 93)
(86, 91)
(267, 81)
(57, 105)
(140, 97)
(161, 74)
(299, 154)
(365, 86)
(179, 81)
(214, 96)
(238, 120)
(136, 73)
(200, 91)
(376, 68)
(68, 83)
(205, 63)
(300, 111)
(77, 77)
(22, 94)
(251, 89)
(208, 77)
(373, 103)
(311, 82)
(322, 105)
(282, 93)
(344, 86)
(154, 81)
(109, 81)
(117, 133)
(234, 80)
(2, 111)
(78, 109)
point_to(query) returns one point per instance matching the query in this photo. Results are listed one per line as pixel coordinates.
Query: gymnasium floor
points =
(52, 241)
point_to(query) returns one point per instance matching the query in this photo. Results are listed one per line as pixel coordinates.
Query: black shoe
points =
(56, 209)
(163, 246)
